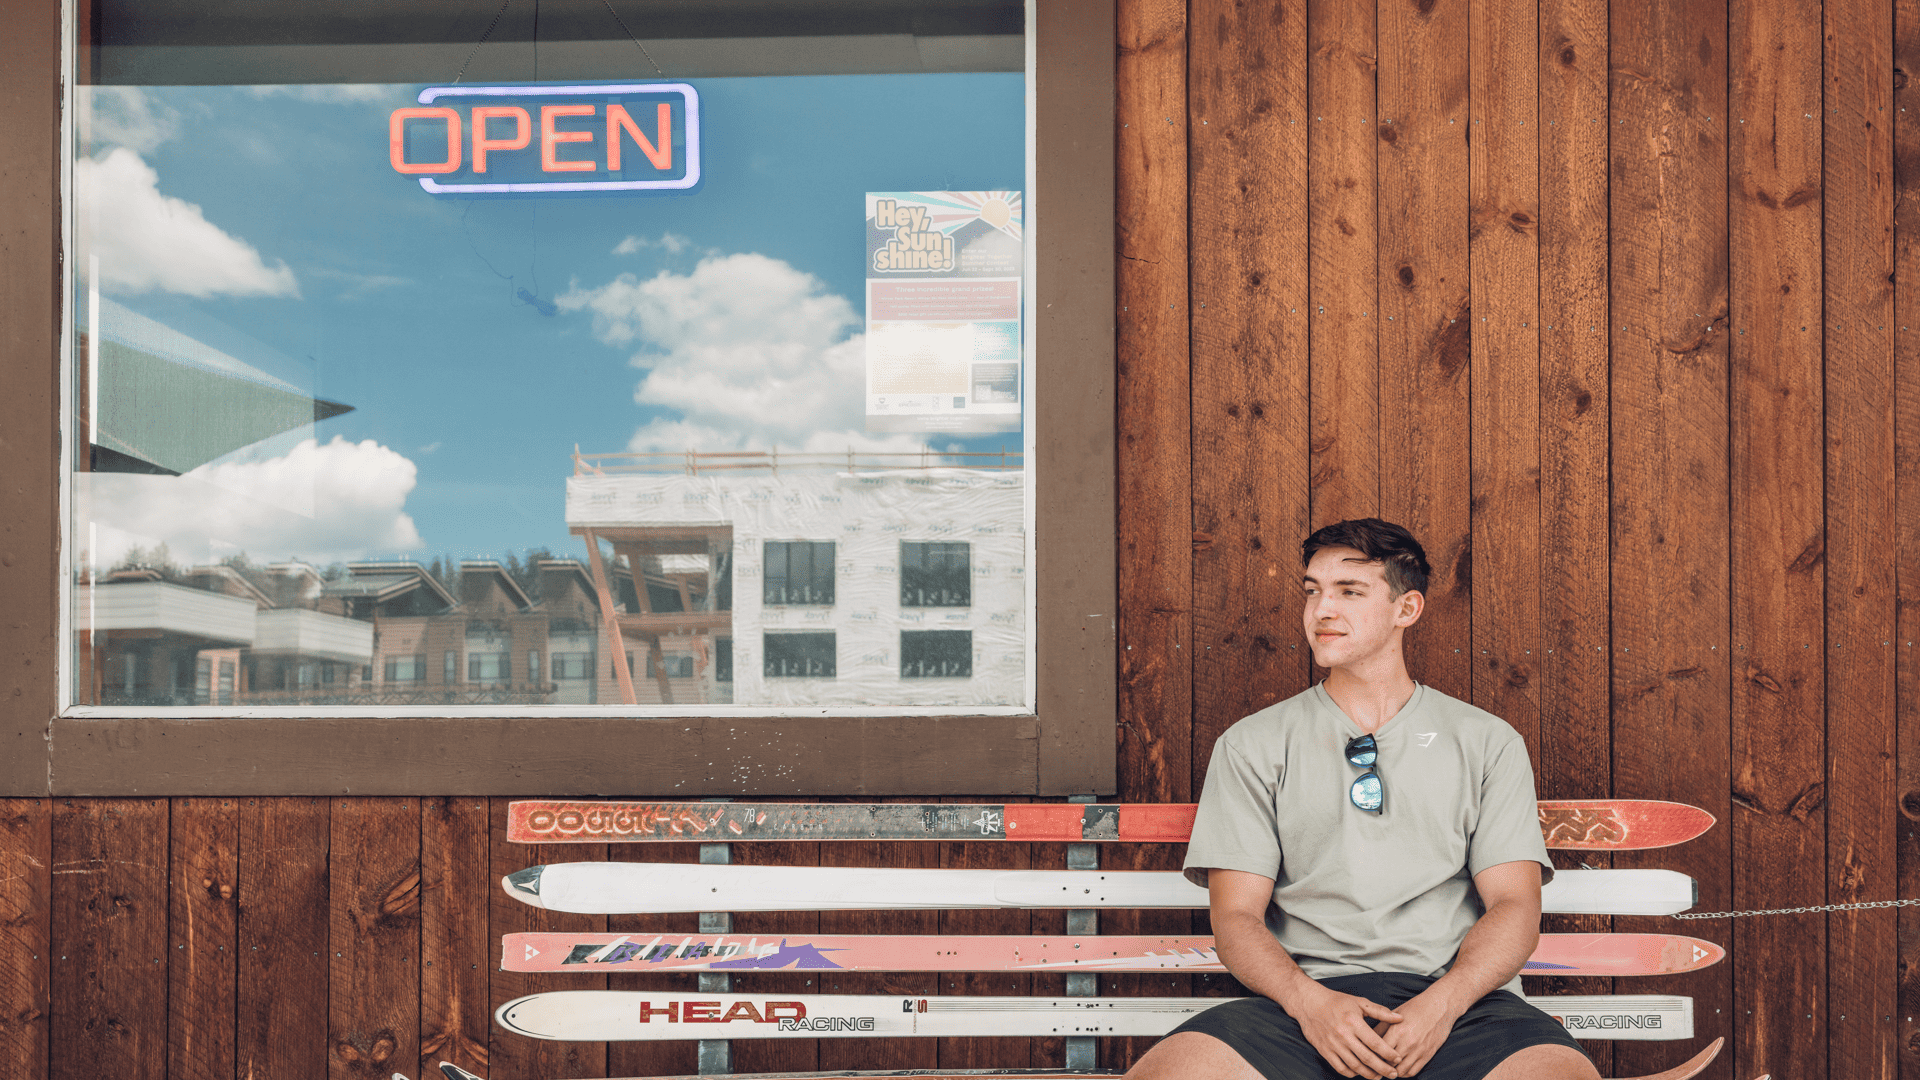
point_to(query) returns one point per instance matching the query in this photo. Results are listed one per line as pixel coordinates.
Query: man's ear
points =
(1412, 604)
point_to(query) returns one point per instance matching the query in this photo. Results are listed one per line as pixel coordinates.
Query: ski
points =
(1606, 955)
(622, 1015)
(1571, 825)
(603, 888)
(1686, 1070)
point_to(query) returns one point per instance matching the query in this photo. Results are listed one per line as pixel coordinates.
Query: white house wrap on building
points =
(925, 602)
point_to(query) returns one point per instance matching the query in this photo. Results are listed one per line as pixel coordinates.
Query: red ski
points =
(1609, 955)
(1571, 825)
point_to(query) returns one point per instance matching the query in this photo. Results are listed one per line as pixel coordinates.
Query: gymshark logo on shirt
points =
(1426, 738)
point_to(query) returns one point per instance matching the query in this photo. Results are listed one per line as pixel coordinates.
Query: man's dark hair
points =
(1381, 542)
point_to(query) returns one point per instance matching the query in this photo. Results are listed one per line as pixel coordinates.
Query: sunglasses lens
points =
(1366, 792)
(1362, 751)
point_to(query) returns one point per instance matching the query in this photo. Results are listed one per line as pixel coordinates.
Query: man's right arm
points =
(1338, 1025)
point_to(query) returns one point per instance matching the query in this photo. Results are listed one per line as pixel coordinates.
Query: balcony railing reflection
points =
(696, 462)
(378, 694)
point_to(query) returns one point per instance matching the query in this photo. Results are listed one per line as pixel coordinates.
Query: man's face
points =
(1348, 610)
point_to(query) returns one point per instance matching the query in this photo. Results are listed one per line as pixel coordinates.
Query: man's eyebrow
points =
(1306, 579)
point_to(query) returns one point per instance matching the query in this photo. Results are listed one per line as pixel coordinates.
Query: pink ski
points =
(1609, 955)
(1571, 825)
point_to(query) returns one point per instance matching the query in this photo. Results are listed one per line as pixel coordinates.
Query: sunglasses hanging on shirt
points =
(1367, 792)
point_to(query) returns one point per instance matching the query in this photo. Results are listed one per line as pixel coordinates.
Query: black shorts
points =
(1488, 1033)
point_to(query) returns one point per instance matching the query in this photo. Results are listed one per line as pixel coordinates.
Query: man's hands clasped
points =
(1338, 1025)
(1363, 1038)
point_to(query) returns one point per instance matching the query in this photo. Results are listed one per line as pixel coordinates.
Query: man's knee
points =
(1547, 1061)
(1189, 1055)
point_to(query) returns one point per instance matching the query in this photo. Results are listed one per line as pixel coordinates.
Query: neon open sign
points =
(481, 140)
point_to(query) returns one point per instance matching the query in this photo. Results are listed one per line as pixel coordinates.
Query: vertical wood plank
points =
(987, 1053)
(1862, 815)
(1668, 242)
(517, 1057)
(1906, 552)
(1574, 759)
(1779, 729)
(679, 1057)
(455, 950)
(776, 1055)
(1504, 372)
(1153, 455)
(109, 938)
(26, 926)
(1343, 203)
(1247, 175)
(879, 1054)
(1424, 358)
(203, 925)
(374, 933)
(281, 986)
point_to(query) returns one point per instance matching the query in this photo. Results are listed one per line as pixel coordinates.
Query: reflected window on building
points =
(492, 667)
(800, 656)
(798, 572)
(935, 574)
(936, 654)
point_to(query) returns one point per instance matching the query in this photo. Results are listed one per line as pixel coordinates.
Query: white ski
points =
(623, 887)
(619, 1015)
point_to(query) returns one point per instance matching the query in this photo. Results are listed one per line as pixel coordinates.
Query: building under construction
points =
(809, 579)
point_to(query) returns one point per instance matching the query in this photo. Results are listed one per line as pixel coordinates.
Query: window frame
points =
(1064, 745)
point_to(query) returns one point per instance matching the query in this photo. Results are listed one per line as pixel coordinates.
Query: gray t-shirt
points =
(1356, 891)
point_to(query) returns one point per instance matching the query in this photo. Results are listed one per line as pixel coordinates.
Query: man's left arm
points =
(1493, 952)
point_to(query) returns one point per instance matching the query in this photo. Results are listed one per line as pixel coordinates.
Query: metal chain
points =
(635, 40)
(483, 40)
(1799, 910)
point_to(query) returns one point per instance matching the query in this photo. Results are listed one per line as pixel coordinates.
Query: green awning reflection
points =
(168, 403)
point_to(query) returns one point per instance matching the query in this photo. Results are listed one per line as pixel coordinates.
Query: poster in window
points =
(943, 310)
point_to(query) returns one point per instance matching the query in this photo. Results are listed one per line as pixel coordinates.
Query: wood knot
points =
(1910, 805)
(1808, 801)
(403, 898)
(1762, 679)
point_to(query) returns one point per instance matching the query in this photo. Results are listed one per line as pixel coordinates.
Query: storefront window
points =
(460, 365)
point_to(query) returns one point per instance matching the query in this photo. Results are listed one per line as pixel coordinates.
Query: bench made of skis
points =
(642, 887)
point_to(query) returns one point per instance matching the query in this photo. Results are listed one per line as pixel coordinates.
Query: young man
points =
(1373, 853)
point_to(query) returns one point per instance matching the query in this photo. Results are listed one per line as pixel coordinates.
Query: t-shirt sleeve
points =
(1234, 828)
(1509, 825)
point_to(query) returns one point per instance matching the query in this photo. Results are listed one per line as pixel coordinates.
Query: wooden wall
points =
(1602, 299)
